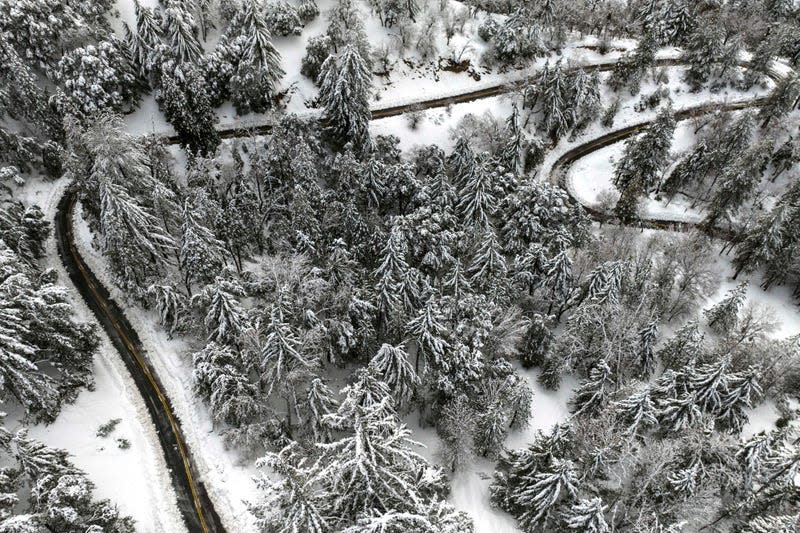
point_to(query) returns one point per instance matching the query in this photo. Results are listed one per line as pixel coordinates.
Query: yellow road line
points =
(142, 364)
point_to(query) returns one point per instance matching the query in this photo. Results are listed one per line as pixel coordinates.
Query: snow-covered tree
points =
(224, 316)
(738, 182)
(724, 315)
(294, 504)
(180, 30)
(185, 102)
(477, 201)
(645, 157)
(587, 516)
(171, 305)
(96, 78)
(319, 402)
(392, 365)
(201, 255)
(345, 84)
(647, 340)
(47, 492)
(593, 393)
(132, 237)
(548, 487)
(255, 64)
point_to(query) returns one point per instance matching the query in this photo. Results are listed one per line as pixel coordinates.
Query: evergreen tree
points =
(647, 340)
(390, 273)
(488, 266)
(557, 482)
(428, 330)
(201, 255)
(185, 102)
(96, 78)
(637, 412)
(225, 318)
(739, 181)
(257, 69)
(145, 40)
(477, 201)
(587, 516)
(392, 365)
(295, 497)
(684, 347)
(724, 315)
(181, 31)
(644, 157)
(319, 403)
(345, 83)
(593, 393)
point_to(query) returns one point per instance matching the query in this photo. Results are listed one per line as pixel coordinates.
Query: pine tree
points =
(684, 347)
(644, 157)
(637, 412)
(429, 332)
(374, 467)
(345, 83)
(593, 393)
(201, 255)
(647, 340)
(548, 487)
(319, 403)
(225, 318)
(390, 273)
(462, 163)
(772, 524)
(183, 99)
(739, 181)
(477, 200)
(513, 151)
(559, 278)
(782, 99)
(678, 413)
(145, 40)
(253, 83)
(587, 516)
(724, 315)
(488, 266)
(132, 237)
(392, 365)
(97, 78)
(170, 304)
(293, 504)
(180, 30)
(282, 357)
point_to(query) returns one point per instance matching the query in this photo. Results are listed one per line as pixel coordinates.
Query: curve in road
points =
(195, 506)
(560, 169)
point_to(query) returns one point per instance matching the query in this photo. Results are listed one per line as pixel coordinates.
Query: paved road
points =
(469, 96)
(198, 512)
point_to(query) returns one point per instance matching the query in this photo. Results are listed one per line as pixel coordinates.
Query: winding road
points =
(198, 512)
(193, 501)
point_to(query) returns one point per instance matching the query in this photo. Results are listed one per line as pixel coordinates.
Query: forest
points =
(343, 287)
